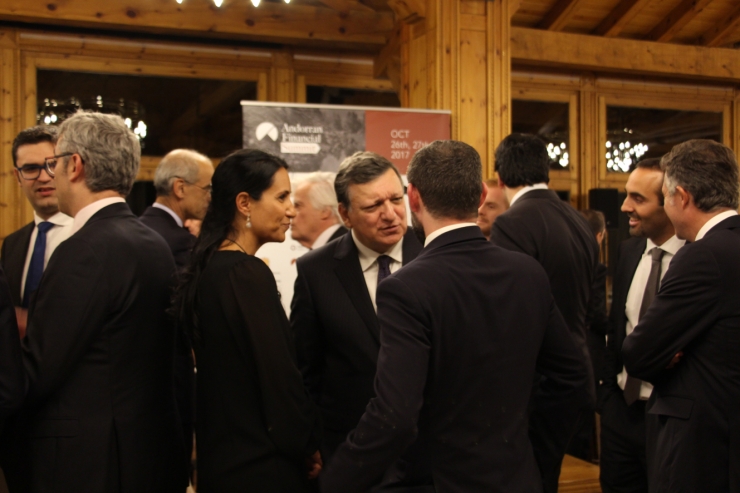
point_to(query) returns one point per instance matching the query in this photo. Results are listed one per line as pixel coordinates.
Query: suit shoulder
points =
(321, 256)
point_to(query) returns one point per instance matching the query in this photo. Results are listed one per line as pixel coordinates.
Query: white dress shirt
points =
(444, 230)
(170, 212)
(84, 215)
(323, 238)
(369, 264)
(536, 186)
(713, 222)
(637, 290)
(61, 230)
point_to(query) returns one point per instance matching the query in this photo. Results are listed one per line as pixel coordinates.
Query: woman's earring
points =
(249, 221)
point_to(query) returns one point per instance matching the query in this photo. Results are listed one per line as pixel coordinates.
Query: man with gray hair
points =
(317, 219)
(98, 354)
(333, 309)
(687, 343)
(183, 184)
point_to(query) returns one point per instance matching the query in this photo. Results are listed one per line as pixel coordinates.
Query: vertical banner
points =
(313, 137)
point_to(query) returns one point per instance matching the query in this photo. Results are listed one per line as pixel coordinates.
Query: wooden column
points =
(282, 78)
(591, 145)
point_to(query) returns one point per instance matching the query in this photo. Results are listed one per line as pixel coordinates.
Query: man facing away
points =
(26, 252)
(541, 225)
(643, 258)
(333, 310)
(494, 205)
(464, 327)
(317, 220)
(183, 184)
(688, 341)
(98, 354)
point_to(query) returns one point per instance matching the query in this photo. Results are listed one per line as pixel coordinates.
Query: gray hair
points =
(447, 174)
(361, 167)
(706, 169)
(321, 194)
(179, 163)
(110, 150)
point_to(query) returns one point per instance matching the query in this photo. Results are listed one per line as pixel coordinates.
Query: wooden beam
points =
(408, 11)
(347, 5)
(623, 13)
(389, 52)
(538, 47)
(684, 12)
(559, 15)
(717, 34)
(275, 22)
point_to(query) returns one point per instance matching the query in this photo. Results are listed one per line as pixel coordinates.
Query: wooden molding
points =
(618, 18)
(534, 46)
(559, 15)
(346, 5)
(390, 51)
(409, 11)
(716, 35)
(667, 29)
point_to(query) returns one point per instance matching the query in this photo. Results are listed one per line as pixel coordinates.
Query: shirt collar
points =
(58, 219)
(170, 212)
(672, 245)
(84, 214)
(324, 236)
(713, 222)
(518, 195)
(368, 256)
(436, 234)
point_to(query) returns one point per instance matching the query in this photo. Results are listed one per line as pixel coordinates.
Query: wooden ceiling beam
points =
(684, 12)
(559, 15)
(389, 52)
(716, 35)
(408, 11)
(347, 5)
(545, 48)
(274, 22)
(615, 22)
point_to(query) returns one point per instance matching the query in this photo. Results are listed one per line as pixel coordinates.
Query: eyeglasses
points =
(31, 171)
(207, 189)
(51, 162)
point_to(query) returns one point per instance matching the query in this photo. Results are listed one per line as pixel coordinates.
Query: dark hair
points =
(522, 160)
(447, 174)
(595, 220)
(361, 167)
(706, 169)
(247, 170)
(651, 163)
(33, 135)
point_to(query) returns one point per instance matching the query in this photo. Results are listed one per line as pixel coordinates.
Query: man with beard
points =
(622, 397)
(460, 345)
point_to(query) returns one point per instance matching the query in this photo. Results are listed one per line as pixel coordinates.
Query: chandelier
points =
(218, 3)
(559, 154)
(621, 154)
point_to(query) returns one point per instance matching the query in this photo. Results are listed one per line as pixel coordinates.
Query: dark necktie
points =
(632, 385)
(36, 266)
(384, 267)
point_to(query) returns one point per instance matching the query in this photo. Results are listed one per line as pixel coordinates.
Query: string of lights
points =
(219, 3)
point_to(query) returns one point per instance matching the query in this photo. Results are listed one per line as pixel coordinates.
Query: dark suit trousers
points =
(623, 463)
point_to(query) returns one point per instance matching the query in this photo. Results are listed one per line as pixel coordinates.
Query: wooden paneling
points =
(721, 30)
(623, 13)
(473, 92)
(499, 75)
(560, 15)
(677, 19)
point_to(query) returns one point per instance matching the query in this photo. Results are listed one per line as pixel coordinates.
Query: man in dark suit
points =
(623, 463)
(317, 220)
(687, 342)
(12, 379)
(26, 252)
(541, 225)
(183, 184)
(464, 327)
(333, 309)
(98, 354)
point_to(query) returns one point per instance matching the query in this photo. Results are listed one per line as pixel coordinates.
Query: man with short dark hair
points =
(494, 205)
(98, 354)
(317, 220)
(687, 343)
(460, 345)
(333, 310)
(541, 225)
(623, 397)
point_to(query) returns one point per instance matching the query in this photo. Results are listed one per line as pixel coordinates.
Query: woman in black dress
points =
(257, 429)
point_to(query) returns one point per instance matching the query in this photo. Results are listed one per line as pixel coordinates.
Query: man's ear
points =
(178, 188)
(483, 195)
(415, 201)
(684, 196)
(325, 213)
(17, 175)
(343, 213)
(75, 168)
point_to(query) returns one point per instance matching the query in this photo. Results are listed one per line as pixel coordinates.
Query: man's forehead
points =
(383, 187)
(34, 152)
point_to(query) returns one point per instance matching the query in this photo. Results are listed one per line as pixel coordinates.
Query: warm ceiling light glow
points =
(287, 1)
(256, 3)
(179, 1)
(218, 2)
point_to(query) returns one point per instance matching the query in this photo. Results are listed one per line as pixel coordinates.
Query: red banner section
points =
(398, 135)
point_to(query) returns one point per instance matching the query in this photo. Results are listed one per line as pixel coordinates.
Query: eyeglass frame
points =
(50, 163)
(207, 189)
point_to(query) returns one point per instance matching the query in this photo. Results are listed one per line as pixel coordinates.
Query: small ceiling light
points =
(256, 3)
(179, 1)
(287, 1)
(218, 2)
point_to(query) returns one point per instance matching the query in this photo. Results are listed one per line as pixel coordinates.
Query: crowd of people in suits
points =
(456, 355)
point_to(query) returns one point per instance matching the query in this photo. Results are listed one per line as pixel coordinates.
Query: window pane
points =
(351, 97)
(548, 120)
(639, 133)
(200, 114)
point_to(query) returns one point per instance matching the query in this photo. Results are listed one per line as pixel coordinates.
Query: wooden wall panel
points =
(473, 108)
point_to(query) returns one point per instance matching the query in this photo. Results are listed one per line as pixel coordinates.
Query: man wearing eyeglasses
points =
(26, 252)
(183, 184)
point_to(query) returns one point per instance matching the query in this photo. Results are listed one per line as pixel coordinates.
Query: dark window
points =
(549, 120)
(351, 97)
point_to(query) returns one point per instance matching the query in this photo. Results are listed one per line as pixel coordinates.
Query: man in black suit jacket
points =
(541, 225)
(622, 463)
(12, 379)
(98, 354)
(464, 327)
(687, 343)
(317, 220)
(183, 184)
(333, 308)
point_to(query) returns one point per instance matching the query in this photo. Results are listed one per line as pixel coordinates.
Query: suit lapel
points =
(350, 275)
(17, 260)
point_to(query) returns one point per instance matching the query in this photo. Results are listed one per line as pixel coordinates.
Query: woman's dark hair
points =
(247, 170)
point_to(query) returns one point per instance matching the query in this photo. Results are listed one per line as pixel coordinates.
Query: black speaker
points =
(607, 201)
(142, 196)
